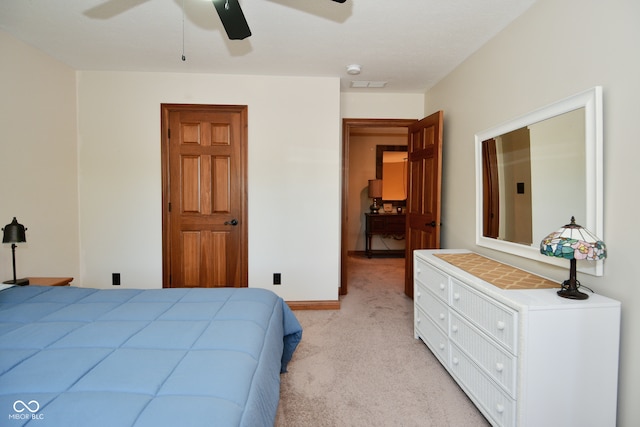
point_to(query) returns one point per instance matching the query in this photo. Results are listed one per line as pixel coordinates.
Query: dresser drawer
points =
(432, 335)
(493, 359)
(495, 319)
(491, 400)
(434, 307)
(432, 279)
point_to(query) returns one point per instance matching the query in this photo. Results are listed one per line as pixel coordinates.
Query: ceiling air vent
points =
(367, 84)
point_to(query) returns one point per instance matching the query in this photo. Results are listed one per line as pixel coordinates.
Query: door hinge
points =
(169, 133)
(169, 207)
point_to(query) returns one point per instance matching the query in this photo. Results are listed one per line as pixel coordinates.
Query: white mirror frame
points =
(591, 100)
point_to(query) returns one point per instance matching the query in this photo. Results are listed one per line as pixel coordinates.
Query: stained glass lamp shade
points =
(573, 242)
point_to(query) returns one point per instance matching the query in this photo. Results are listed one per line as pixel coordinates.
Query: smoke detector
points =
(353, 69)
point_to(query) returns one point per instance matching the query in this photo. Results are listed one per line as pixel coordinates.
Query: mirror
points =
(534, 172)
(391, 167)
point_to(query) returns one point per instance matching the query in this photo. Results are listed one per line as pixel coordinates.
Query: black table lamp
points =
(15, 233)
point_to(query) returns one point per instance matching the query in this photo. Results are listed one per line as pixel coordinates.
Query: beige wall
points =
(362, 105)
(80, 166)
(38, 161)
(556, 49)
(293, 176)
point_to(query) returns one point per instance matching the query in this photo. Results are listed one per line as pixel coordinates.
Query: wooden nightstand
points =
(50, 281)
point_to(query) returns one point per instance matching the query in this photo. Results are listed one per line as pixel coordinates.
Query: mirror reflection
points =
(394, 175)
(391, 168)
(517, 189)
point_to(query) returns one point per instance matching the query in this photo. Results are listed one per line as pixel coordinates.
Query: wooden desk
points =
(50, 281)
(385, 224)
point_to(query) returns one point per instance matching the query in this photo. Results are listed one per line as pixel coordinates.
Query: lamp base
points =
(18, 282)
(571, 292)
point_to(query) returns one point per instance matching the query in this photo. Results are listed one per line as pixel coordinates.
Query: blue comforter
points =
(167, 357)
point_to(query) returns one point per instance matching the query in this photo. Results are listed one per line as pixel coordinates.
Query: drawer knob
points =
(455, 360)
(418, 320)
(500, 325)
(454, 328)
(441, 316)
(456, 296)
(441, 346)
(419, 294)
(500, 408)
(499, 367)
(418, 271)
(442, 286)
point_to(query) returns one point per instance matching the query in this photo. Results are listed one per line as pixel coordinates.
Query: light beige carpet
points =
(361, 366)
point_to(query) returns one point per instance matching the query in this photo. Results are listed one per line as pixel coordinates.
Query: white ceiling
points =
(411, 44)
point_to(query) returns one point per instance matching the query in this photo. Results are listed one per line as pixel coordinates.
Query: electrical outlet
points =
(115, 279)
(277, 279)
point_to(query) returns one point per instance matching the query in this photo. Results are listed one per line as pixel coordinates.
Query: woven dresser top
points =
(501, 275)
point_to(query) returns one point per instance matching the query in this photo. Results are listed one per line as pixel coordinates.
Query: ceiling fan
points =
(233, 19)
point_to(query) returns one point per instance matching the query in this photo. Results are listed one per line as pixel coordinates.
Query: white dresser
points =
(525, 357)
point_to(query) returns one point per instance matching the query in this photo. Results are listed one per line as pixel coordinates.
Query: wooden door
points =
(204, 196)
(423, 196)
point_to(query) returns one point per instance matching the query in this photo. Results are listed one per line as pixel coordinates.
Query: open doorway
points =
(358, 138)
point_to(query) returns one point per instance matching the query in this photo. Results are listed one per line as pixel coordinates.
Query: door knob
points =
(232, 222)
(431, 224)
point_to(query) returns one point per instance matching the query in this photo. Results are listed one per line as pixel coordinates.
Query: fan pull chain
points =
(184, 58)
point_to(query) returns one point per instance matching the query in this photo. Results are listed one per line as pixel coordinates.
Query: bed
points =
(167, 357)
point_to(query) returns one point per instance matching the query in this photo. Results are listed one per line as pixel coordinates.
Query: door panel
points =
(204, 220)
(190, 187)
(221, 174)
(425, 182)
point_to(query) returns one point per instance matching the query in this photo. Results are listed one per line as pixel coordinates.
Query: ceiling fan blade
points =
(110, 8)
(340, 1)
(232, 19)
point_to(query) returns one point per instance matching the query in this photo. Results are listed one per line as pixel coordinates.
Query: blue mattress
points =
(168, 357)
